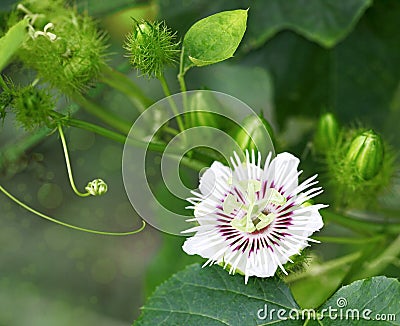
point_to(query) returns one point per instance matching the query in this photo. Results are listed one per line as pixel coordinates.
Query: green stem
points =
(170, 130)
(101, 113)
(121, 82)
(379, 264)
(182, 83)
(25, 206)
(181, 74)
(156, 147)
(174, 108)
(113, 135)
(350, 240)
(68, 163)
(13, 152)
(314, 271)
(361, 226)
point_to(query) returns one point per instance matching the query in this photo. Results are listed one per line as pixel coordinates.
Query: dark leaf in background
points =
(357, 79)
(323, 21)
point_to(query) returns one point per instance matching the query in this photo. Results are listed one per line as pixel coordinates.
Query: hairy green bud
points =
(151, 47)
(327, 133)
(366, 154)
(33, 107)
(65, 48)
(6, 96)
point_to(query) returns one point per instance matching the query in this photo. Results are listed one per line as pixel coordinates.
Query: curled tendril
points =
(96, 187)
(30, 209)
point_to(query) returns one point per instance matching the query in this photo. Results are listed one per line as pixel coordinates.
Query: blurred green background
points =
(297, 60)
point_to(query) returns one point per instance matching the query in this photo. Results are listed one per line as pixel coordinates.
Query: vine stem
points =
(99, 112)
(327, 266)
(361, 226)
(30, 209)
(68, 163)
(350, 240)
(121, 82)
(12, 152)
(174, 108)
(181, 74)
(156, 147)
(181, 80)
(379, 264)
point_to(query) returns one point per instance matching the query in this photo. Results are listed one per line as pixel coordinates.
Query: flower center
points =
(256, 215)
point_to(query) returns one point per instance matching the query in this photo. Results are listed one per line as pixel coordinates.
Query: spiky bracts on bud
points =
(360, 166)
(32, 106)
(151, 47)
(65, 48)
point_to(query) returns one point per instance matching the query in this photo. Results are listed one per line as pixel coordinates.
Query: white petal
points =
(206, 247)
(283, 172)
(216, 174)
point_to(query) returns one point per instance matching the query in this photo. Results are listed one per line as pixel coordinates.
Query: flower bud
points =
(255, 133)
(327, 133)
(33, 107)
(366, 153)
(67, 51)
(151, 47)
(96, 187)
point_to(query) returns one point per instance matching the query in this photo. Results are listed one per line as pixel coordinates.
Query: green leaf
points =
(358, 79)
(211, 296)
(325, 22)
(213, 39)
(10, 43)
(379, 295)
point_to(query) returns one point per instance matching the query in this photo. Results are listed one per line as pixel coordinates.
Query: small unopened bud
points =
(255, 133)
(33, 107)
(366, 154)
(151, 47)
(96, 187)
(327, 133)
